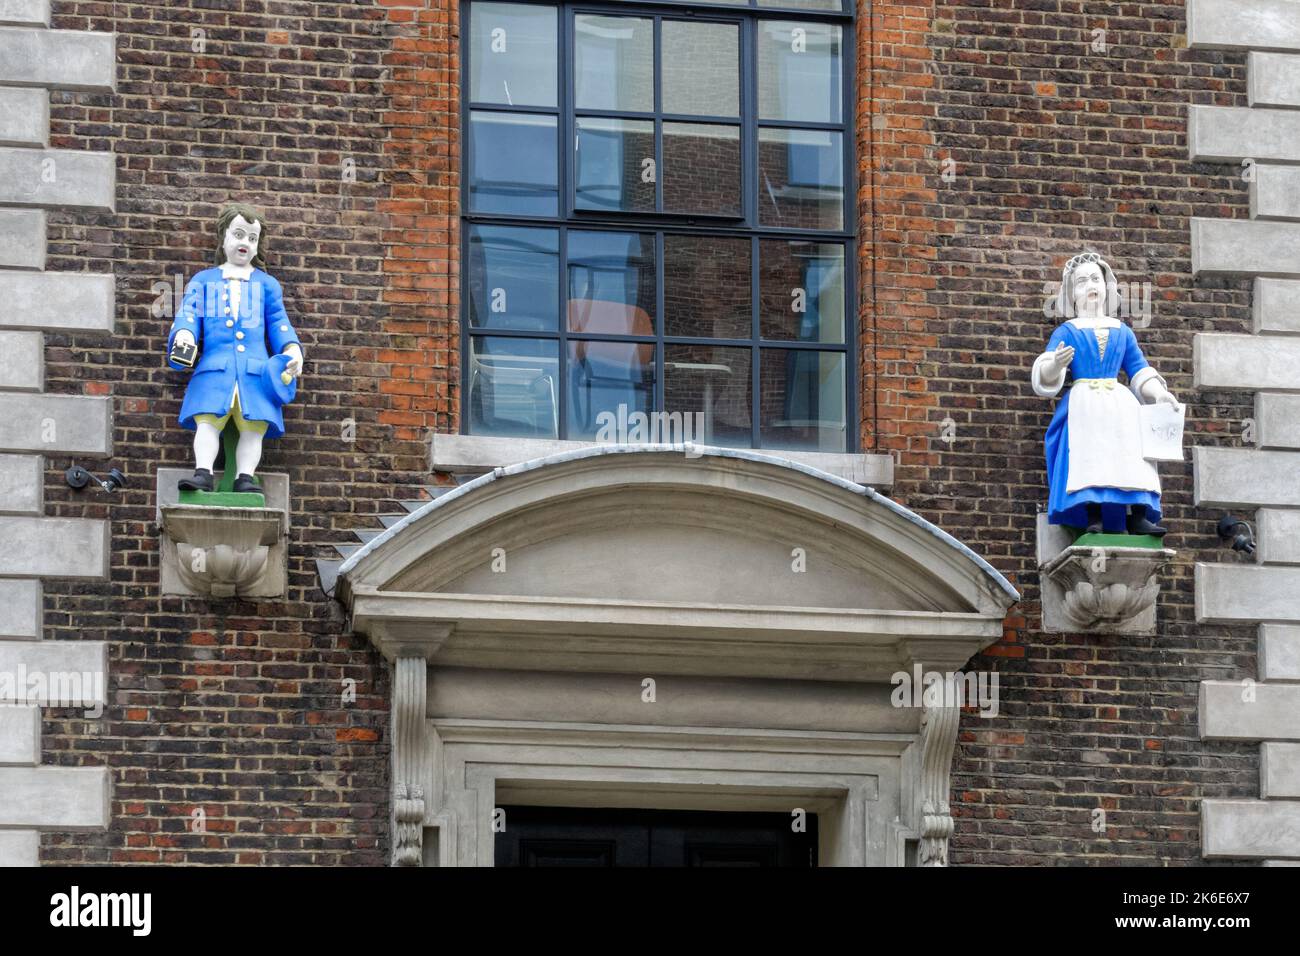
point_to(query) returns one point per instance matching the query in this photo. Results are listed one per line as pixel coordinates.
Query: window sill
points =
(478, 453)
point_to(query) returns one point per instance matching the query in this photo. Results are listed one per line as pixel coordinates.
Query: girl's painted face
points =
(1089, 289)
(241, 241)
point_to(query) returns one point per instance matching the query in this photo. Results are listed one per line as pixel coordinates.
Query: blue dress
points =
(1108, 428)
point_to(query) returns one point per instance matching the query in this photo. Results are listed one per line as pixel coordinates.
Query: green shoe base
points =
(1119, 541)
(223, 499)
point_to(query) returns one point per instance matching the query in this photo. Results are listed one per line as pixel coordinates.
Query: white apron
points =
(1104, 431)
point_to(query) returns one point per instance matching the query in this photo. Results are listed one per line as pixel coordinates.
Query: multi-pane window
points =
(655, 219)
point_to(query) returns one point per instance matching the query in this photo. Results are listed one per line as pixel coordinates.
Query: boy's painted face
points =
(241, 241)
(1089, 289)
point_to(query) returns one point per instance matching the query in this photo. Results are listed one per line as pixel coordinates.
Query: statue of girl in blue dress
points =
(1097, 476)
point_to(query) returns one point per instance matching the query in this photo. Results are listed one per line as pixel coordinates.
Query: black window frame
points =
(660, 223)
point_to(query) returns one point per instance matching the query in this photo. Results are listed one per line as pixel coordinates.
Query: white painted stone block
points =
(1276, 302)
(1243, 24)
(54, 798)
(53, 547)
(20, 848)
(1229, 134)
(1231, 477)
(22, 238)
(21, 610)
(58, 59)
(1248, 362)
(57, 300)
(54, 673)
(1273, 79)
(1279, 652)
(1278, 536)
(1227, 593)
(62, 178)
(25, 12)
(79, 424)
(1277, 420)
(20, 735)
(22, 361)
(1246, 247)
(1279, 770)
(1235, 710)
(22, 485)
(1250, 829)
(24, 117)
(1275, 192)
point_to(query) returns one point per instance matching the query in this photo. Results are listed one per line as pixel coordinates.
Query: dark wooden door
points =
(573, 836)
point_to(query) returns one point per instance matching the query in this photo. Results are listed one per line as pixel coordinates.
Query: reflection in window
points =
(702, 168)
(712, 380)
(604, 376)
(801, 290)
(799, 75)
(514, 57)
(707, 287)
(802, 404)
(513, 164)
(513, 278)
(701, 70)
(614, 63)
(513, 387)
(800, 178)
(615, 164)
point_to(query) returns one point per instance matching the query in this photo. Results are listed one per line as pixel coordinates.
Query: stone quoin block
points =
(54, 547)
(1275, 304)
(1241, 592)
(1275, 192)
(1250, 828)
(58, 59)
(56, 673)
(20, 734)
(1273, 79)
(20, 610)
(1279, 652)
(1229, 134)
(22, 238)
(22, 361)
(1277, 531)
(1279, 770)
(20, 848)
(54, 798)
(22, 484)
(1246, 247)
(1248, 362)
(58, 178)
(56, 423)
(1233, 710)
(24, 117)
(1277, 420)
(1245, 476)
(57, 300)
(1243, 24)
(25, 12)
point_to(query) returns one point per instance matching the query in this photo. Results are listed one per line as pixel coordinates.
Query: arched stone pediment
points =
(628, 542)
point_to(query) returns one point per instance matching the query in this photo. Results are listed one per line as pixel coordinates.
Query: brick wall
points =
(237, 708)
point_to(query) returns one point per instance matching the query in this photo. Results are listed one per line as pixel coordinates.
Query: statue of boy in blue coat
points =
(232, 320)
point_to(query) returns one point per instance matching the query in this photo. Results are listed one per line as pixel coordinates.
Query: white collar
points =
(236, 272)
(1106, 322)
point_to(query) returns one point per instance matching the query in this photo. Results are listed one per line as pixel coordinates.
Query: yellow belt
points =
(1097, 384)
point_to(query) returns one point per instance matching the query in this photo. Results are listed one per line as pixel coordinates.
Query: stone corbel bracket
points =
(1098, 590)
(224, 552)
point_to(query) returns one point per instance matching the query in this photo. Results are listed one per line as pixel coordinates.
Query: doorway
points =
(575, 836)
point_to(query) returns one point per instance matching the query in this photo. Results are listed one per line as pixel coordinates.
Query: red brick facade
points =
(342, 121)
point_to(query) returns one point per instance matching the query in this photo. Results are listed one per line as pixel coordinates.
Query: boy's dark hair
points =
(251, 215)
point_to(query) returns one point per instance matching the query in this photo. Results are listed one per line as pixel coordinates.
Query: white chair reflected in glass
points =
(514, 395)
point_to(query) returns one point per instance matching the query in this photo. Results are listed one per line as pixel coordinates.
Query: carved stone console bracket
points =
(219, 552)
(1097, 590)
(938, 741)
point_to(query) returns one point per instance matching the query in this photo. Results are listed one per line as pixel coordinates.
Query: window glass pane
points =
(617, 378)
(611, 283)
(513, 164)
(701, 72)
(707, 287)
(800, 178)
(711, 382)
(801, 291)
(513, 387)
(702, 168)
(615, 164)
(799, 69)
(512, 56)
(802, 401)
(614, 63)
(835, 5)
(514, 276)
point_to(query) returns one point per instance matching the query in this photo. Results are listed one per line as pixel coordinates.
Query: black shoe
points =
(202, 481)
(245, 483)
(1095, 525)
(1140, 525)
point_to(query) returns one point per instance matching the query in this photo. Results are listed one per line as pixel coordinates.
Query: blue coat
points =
(233, 348)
